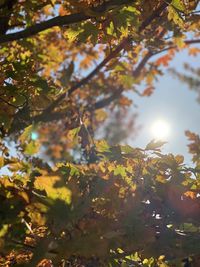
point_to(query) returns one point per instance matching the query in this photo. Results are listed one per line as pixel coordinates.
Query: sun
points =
(160, 130)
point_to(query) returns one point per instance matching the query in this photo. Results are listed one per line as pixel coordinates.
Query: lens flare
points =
(34, 136)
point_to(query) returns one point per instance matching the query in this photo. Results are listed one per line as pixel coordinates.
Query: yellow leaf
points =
(1, 162)
(145, 261)
(26, 134)
(72, 134)
(101, 115)
(14, 167)
(161, 178)
(161, 258)
(48, 183)
(24, 196)
(190, 194)
(3, 230)
(179, 159)
(32, 148)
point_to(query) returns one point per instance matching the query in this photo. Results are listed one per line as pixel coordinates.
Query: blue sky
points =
(174, 102)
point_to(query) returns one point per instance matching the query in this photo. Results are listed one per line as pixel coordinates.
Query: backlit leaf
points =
(154, 145)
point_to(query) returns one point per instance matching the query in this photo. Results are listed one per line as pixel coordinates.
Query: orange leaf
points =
(62, 11)
(193, 51)
(164, 60)
(148, 91)
(190, 194)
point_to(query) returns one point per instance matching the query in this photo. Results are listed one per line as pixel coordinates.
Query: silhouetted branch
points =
(187, 42)
(106, 101)
(6, 9)
(62, 21)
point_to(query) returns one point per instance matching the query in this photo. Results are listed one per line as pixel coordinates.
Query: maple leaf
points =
(194, 51)
(164, 60)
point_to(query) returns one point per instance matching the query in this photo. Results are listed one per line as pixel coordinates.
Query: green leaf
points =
(32, 148)
(72, 134)
(154, 145)
(178, 4)
(72, 34)
(128, 80)
(3, 230)
(42, 84)
(5, 120)
(189, 227)
(124, 264)
(88, 31)
(175, 17)
(110, 29)
(127, 149)
(102, 146)
(120, 170)
(18, 100)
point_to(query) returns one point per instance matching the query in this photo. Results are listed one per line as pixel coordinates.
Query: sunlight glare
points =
(160, 130)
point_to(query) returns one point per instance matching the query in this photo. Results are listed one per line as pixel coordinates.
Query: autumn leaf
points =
(193, 51)
(32, 148)
(190, 194)
(62, 11)
(154, 145)
(73, 190)
(178, 4)
(1, 162)
(148, 91)
(102, 146)
(164, 60)
(48, 183)
(25, 136)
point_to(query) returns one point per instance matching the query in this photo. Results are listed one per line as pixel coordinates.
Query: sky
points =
(173, 102)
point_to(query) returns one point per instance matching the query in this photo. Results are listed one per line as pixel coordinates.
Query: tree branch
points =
(85, 80)
(112, 55)
(6, 11)
(62, 21)
(48, 111)
(8, 103)
(57, 21)
(99, 104)
(106, 101)
(187, 42)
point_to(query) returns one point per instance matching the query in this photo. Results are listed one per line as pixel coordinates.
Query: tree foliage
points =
(68, 198)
